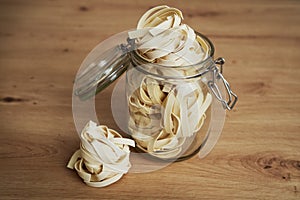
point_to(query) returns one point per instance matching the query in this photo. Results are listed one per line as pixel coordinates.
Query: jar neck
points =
(176, 72)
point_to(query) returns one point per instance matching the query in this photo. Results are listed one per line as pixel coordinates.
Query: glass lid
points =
(104, 64)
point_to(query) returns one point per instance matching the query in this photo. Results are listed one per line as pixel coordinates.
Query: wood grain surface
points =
(42, 46)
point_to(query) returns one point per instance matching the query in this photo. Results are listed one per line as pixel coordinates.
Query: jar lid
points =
(101, 70)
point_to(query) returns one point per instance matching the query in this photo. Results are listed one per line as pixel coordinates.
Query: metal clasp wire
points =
(232, 97)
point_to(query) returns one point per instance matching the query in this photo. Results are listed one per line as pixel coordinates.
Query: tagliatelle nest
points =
(162, 38)
(103, 157)
(162, 117)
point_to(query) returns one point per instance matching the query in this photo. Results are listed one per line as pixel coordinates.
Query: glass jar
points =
(176, 111)
(172, 113)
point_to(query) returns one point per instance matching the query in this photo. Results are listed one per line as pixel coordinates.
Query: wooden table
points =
(42, 46)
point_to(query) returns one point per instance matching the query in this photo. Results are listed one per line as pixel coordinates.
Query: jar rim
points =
(203, 63)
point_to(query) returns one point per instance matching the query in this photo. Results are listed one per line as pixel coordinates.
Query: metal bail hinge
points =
(232, 97)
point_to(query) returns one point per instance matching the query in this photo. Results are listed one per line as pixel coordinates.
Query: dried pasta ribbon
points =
(169, 117)
(103, 157)
(163, 115)
(162, 39)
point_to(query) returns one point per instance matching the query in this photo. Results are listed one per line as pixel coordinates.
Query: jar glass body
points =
(172, 113)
